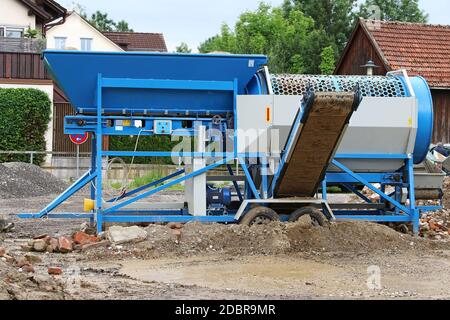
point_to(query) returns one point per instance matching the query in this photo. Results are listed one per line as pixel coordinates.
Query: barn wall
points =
(360, 51)
(441, 101)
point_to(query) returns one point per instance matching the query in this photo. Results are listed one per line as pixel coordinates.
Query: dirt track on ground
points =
(278, 261)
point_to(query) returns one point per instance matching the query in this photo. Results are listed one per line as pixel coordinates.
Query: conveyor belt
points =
(313, 141)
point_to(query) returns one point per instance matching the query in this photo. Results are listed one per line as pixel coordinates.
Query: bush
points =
(24, 118)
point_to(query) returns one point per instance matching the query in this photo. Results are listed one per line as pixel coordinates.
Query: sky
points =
(194, 21)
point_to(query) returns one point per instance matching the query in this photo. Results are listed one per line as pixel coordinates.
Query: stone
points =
(119, 235)
(175, 225)
(90, 246)
(304, 222)
(2, 251)
(9, 259)
(26, 247)
(28, 268)
(84, 238)
(64, 245)
(55, 271)
(80, 237)
(41, 236)
(33, 259)
(86, 228)
(39, 245)
(53, 245)
(22, 262)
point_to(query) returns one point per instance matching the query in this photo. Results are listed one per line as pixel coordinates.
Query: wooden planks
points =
(22, 66)
(316, 144)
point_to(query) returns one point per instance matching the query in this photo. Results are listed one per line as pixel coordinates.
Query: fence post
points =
(31, 157)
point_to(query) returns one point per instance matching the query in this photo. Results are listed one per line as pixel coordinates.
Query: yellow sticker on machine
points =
(410, 122)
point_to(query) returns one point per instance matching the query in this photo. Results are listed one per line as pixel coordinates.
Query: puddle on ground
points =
(268, 274)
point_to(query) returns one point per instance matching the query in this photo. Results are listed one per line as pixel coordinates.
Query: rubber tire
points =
(317, 216)
(259, 212)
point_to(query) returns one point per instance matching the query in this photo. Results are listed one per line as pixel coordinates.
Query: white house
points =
(78, 34)
(16, 16)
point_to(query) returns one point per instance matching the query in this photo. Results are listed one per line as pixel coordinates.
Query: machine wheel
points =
(259, 216)
(317, 217)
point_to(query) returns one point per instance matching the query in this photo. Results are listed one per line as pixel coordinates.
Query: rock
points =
(26, 247)
(9, 259)
(84, 238)
(42, 236)
(22, 262)
(89, 246)
(2, 251)
(64, 245)
(8, 228)
(86, 228)
(32, 259)
(39, 245)
(174, 225)
(53, 245)
(56, 271)
(119, 235)
(304, 222)
(28, 268)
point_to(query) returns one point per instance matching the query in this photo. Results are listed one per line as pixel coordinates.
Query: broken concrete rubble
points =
(65, 245)
(120, 235)
(55, 271)
(39, 245)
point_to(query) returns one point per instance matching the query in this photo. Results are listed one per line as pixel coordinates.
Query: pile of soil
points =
(23, 180)
(275, 238)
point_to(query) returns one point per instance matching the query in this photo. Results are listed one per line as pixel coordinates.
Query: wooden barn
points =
(421, 49)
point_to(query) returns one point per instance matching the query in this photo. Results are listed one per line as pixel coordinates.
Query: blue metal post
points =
(93, 164)
(412, 197)
(235, 138)
(324, 189)
(99, 147)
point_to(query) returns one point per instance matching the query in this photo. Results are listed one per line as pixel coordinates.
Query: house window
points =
(60, 43)
(13, 32)
(86, 44)
(2, 32)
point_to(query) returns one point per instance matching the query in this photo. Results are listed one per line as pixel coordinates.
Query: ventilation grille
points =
(374, 86)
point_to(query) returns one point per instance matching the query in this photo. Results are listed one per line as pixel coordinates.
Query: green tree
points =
(101, 21)
(393, 10)
(290, 40)
(225, 41)
(335, 17)
(183, 48)
(328, 61)
(122, 26)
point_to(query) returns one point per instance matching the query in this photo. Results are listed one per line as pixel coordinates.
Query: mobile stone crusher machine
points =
(293, 136)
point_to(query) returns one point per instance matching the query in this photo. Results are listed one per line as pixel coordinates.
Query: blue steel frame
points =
(98, 126)
(116, 213)
(403, 178)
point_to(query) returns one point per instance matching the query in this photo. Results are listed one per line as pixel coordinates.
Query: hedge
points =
(24, 118)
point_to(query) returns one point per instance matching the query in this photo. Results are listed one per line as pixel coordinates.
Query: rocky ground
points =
(61, 259)
(278, 261)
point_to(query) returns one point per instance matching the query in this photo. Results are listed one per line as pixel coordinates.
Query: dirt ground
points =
(346, 260)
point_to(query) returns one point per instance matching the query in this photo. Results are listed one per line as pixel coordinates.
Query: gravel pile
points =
(23, 180)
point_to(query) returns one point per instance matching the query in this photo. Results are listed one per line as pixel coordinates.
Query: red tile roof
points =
(422, 49)
(138, 41)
